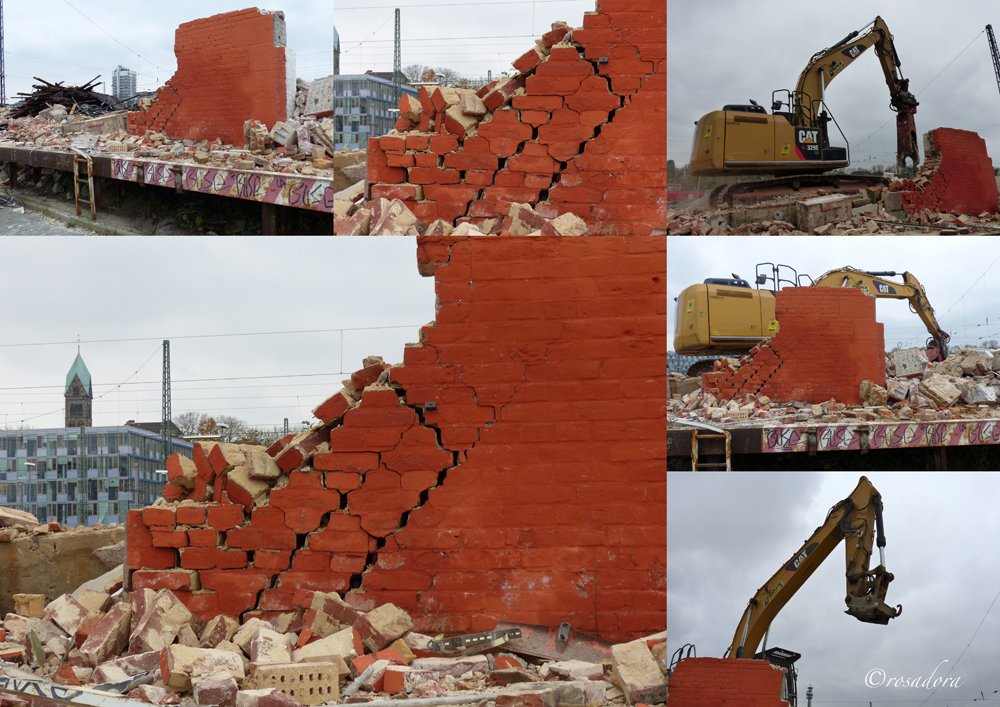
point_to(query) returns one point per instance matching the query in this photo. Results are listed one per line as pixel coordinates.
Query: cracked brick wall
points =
(580, 128)
(230, 68)
(957, 175)
(827, 343)
(705, 682)
(532, 491)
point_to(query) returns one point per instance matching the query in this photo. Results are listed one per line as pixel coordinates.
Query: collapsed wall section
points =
(828, 342)
(580, 128)
(230, 68)
(701, 682)
(511, 468)
(957, 175)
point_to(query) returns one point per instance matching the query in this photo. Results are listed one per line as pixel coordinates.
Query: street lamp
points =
(222, 431)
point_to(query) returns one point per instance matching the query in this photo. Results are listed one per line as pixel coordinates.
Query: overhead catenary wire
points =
(215, 336)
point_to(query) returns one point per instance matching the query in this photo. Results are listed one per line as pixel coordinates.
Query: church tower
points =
(79, 395)
(336, 52)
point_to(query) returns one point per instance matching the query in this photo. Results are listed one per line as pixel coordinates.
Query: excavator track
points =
(745, 193)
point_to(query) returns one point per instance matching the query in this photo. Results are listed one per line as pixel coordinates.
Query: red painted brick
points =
(267, 531)
(443, 144)
(190, 515)
(225, 517)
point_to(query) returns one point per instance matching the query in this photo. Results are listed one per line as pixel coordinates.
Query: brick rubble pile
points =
(384, 217)
(147, 646)
(966, 386)
(303, 146)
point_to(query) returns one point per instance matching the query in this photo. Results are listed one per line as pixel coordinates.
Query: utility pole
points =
(993, 51)
(3, 73)
(166, 439)
(397, 64)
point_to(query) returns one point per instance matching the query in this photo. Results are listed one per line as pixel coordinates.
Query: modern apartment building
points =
(123, 82)
(362, 108)
(82, 474)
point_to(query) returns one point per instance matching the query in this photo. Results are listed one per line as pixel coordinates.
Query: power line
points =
(453, 4)
(213, 336)
(442, 39)
(53, 61)
(109, 34)
(196, 380)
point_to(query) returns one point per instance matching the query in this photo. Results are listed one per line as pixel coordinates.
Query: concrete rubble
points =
(965, 386)
(385, 217)
(300, 145)
(824, 214)
(112, 635)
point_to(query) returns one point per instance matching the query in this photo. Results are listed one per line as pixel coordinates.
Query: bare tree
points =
(235, 427)
(264, 437)
(447, 77)
(189, 422)
(414, 72)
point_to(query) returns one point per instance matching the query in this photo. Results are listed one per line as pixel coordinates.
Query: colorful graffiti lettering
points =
(286, 190)
(887, 436)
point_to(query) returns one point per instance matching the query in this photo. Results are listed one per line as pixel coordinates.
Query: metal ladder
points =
(83, 159)
(709, 432)
(696, 462)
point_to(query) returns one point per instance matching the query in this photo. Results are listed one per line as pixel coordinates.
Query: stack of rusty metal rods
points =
(48, 94)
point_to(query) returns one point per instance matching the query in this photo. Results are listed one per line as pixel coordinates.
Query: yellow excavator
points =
(744, 139)
(854, 520)
(726, 317)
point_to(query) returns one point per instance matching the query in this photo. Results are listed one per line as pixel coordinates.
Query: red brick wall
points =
(534, 493)
(726, 682)
(827, 343)
(957, 175)
(228, 71)
(587, 138)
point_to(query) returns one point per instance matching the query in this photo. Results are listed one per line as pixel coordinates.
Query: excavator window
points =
(745, 109)
(726, 282)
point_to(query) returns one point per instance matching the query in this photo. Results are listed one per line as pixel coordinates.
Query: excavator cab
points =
(784, 660)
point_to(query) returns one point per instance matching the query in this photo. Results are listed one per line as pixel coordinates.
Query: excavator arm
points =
(854, 520)
(871, 283)
(825, 65)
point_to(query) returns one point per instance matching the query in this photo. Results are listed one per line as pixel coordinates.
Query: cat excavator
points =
(726, 317)
(852, 520)
(794, 143)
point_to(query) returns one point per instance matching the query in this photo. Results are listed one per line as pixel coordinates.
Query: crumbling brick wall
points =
(580, 128)
(532, 491)
(709, 682)
(230, 68)
(957, 175)
(827, 343)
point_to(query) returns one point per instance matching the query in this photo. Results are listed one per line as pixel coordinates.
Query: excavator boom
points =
(855, 520)
(825, 65)
(872, 283)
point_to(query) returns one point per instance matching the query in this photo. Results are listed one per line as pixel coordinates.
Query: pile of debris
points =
(384, 217)
(966, 385)
(867, 212)
(148, 646)
(302, 147)
(49, 97)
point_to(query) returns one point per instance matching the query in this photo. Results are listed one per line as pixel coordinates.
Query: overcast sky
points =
(741, 50)
(468, 37)
(168, 288)
(941, 265)
(727, 534)
(53, 41)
